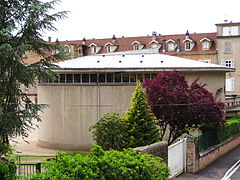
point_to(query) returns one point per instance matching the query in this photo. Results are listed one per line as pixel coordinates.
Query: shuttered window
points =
(230, 84)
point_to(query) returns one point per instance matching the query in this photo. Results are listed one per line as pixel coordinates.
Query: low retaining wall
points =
(196, 161)
(159, 149)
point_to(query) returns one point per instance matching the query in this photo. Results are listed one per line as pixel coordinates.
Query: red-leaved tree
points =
(179, 107)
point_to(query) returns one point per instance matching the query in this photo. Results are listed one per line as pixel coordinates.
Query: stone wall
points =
(159, 149)
(196, 161)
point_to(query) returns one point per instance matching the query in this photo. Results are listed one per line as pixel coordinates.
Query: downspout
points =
(98, 98)
(217, 59)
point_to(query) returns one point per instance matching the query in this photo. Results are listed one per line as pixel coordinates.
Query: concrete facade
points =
(73, 108)
(228, 45)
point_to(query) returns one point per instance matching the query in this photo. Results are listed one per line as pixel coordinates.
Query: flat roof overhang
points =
(185, 69)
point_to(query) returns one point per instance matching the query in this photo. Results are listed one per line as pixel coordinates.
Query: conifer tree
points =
(141, 123)
(22, 24)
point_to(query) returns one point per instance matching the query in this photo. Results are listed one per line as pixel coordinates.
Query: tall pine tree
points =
(142, 129)
(22, 24)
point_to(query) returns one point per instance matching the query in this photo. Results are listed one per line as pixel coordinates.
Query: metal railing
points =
(28, 169)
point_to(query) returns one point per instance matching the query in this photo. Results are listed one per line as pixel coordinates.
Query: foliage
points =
(110, 132)
(5, 149)
(141, 123)
(212, 135)
(7, 170)
(179, 106)
(22, 23)
(100, 164)
(235, 119)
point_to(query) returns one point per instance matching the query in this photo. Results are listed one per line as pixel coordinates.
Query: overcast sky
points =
(103, 18)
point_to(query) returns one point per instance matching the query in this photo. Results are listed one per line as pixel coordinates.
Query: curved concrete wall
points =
(74, 108)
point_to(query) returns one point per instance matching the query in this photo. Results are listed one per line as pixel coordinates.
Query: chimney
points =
(114, 39)
(49, 39)
(57, 42)
(84, 41)
(154, 35)
(187, 35)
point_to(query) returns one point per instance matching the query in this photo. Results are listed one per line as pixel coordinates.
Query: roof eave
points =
(146, 69)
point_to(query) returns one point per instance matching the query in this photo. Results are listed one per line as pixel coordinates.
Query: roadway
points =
(217, 169)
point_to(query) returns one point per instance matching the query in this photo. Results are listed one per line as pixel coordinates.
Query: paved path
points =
(217, 169)
(30, 147)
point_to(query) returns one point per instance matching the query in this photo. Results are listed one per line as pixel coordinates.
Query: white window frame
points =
(205, 45)
(136, 47)
(230, 84)
(228, 63)
(227, 46)
(109, 49)
(171, 46)
(187, 45)
(94, 49)
(154, 45)
(230, 31)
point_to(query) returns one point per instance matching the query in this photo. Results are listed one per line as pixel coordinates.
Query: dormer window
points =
(137, 45)
(154, 44)
(67, 49)
(94, 48)
(171, 45)
(79, 50)
(110, 47)
(189, 44)
(206, 43)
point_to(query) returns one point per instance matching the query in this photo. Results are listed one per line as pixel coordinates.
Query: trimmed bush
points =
(213, 134)
(110, 132)
(109, 165)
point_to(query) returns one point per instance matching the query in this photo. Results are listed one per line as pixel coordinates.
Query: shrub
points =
(7, 170)
(100, 164)
(110, 132)
(213, 134)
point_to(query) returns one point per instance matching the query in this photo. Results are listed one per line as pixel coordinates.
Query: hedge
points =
(101, 165)
(216, 136)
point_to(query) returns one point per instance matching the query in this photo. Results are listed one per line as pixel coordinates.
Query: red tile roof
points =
(125, 43)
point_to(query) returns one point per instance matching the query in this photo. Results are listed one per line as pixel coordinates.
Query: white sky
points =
(103, 18)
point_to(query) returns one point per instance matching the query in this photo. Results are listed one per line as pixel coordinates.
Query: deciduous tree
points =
(179, 107)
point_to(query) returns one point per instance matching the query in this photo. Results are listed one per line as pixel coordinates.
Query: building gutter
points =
(197, 69)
